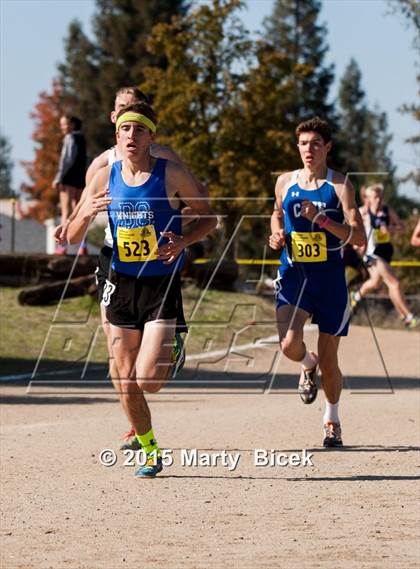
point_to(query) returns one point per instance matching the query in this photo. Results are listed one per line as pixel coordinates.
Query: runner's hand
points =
(277, 240)
(99, 202)
(308, 210)
(171, 250)
(60, 233)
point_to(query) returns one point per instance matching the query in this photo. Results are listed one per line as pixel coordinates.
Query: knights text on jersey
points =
(137, 216)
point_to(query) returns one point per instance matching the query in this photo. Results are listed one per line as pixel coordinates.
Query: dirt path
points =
(352, 508)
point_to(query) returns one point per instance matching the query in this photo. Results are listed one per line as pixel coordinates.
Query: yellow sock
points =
(148, 442)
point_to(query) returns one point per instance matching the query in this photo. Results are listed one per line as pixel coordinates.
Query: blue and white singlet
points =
(137, 216)
(306, 242)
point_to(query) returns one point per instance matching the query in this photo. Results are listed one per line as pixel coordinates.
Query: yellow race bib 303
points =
(309, 247)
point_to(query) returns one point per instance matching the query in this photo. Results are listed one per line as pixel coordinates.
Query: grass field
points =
(69, 333)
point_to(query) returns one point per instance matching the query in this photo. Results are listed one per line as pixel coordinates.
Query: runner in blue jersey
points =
(124, 97)
(142, 195)
(314, 216)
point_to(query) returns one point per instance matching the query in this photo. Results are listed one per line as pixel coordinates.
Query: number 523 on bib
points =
(137, 244)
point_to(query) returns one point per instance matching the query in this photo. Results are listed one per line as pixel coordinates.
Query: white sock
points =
(331, 412)
(308, 361)
(409, 317)
(357, 296)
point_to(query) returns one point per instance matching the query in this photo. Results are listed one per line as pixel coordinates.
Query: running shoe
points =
(178, 355)
(308, 389)
(332, 435)
(131, 442)
(353, 301)
(412, 323)
(152, 467)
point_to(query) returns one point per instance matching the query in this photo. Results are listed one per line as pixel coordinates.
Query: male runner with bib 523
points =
(314, 216)
(142, 195)
(127, 96)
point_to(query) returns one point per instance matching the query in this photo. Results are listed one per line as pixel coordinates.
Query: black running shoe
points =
(332, 435)
(308, 389)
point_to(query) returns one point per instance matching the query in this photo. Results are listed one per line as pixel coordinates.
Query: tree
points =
(48, 140)
(363, 137)
(6, 166)
(207, 107)
(294, 32)
(116, 57)
(223, 104)
(79, 80)
(410, 9)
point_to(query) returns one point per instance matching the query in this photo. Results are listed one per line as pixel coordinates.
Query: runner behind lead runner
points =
(315, 214)
(381, 222)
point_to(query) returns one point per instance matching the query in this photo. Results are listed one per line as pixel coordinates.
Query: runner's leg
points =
(332, 379)
(154, 363)
(373, 282)
(290, 322)
(125, 350)
(65, 203)
(394, 289)
(332, 383)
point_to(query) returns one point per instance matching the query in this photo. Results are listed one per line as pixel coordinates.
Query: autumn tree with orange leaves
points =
(48, 139)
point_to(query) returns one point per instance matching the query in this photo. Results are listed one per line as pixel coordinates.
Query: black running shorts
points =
(131, 302)
(103, 275)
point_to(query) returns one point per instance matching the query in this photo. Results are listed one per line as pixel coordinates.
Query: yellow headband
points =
(135, 117)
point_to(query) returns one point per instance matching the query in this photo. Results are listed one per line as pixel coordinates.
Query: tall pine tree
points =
(410, 9)
(199, 96)
(363, 137)
(116, 57)
(293, 29)
(79, 78)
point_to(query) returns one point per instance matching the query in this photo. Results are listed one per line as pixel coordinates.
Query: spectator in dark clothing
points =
(70, 178)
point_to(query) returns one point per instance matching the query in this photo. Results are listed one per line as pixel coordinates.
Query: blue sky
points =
(31, 45)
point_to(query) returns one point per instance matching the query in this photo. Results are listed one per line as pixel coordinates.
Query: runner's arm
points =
(352, 231)
(179, 181)
(96, 199)
(277, 237)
